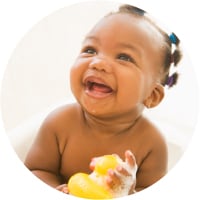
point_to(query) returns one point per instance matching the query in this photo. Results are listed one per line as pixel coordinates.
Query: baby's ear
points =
(155, 97)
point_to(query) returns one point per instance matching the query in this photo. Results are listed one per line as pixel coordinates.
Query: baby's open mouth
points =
(97, 88)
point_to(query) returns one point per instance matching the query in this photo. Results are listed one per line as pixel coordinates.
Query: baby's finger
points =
(130, 158)
(93, 163)
(121, 170)
(63, 188)
(113, 179)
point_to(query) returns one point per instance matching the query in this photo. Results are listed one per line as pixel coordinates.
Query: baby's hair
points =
(172, 52)
(172, 59)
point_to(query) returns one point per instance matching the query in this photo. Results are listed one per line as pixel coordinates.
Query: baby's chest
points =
(78, 153)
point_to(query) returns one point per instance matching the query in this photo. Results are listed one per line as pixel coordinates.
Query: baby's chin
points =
(98, 108)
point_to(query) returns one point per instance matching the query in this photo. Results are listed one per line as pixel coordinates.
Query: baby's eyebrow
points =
(120, 45)
(129, 46)
(90, 37)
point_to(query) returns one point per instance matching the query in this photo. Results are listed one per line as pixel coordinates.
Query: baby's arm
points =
(43, 158)
(154, 166)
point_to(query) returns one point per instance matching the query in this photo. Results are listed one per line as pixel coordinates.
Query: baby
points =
(123, 67)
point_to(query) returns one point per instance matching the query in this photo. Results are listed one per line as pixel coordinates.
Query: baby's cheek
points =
(76, 81)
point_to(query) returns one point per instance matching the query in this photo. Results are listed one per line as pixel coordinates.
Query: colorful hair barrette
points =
(135, 10)
(171, 80)
(173, 38)
(139, 11)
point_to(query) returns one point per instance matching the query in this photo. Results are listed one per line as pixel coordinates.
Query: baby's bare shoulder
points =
(152, 134)
(63, 116)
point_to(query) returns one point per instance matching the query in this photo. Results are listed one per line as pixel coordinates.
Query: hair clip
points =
(139, 11)
(170, 81)
(133, 9)
(173, 38)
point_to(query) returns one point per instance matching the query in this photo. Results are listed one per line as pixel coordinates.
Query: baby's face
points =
(118, 66)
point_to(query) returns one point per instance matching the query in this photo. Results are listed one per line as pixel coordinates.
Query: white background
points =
(18, 17)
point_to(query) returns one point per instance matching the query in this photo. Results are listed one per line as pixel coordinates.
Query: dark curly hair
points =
(172, 51)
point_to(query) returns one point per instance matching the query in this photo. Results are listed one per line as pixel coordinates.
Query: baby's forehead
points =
(120, 23)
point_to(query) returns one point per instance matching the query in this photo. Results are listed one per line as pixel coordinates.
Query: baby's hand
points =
(123, 178)
(63, 188)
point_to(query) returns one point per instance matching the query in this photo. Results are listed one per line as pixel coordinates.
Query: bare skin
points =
(113, 79)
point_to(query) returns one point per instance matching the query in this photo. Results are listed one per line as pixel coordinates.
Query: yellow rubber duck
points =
(92, 186)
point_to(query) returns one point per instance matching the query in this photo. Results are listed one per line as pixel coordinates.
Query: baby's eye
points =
(89, 50)
(125, 57)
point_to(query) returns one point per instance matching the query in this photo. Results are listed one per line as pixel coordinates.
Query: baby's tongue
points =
(101, 88)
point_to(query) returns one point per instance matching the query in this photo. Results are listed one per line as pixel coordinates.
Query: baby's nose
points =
(101, 64)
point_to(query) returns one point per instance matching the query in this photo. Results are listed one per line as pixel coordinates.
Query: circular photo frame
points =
(36, 80)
